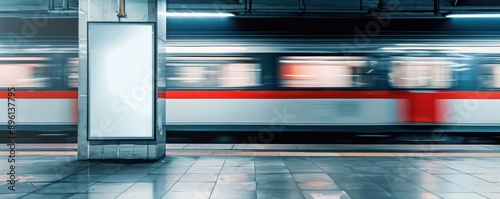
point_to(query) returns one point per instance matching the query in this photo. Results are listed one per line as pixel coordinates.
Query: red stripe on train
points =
(276, 94)
(48, 95)
(272, 94)
(41, 94)
(326, 94)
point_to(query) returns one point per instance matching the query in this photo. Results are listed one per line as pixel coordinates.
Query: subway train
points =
(392, 83)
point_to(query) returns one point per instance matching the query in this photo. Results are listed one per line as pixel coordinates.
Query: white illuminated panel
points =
(473, 15)
(197, 14)
(121, 88)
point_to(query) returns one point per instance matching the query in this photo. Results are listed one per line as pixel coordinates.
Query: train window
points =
(420, 72)
(73, 72)
(489, 76)
(24, 72)
(326, 72)
(212, 72)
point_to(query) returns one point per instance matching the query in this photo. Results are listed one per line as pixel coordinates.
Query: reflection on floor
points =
(234, 177)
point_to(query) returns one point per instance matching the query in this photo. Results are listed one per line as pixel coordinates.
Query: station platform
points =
(251, 171)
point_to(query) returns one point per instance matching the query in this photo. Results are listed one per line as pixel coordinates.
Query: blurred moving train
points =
(403, 84)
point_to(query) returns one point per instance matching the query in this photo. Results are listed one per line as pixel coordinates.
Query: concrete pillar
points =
(106, 11)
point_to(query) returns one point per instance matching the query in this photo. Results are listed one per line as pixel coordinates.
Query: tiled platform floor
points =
(234, 177)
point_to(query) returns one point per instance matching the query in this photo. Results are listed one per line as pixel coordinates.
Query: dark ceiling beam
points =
(51, 4)
(369, 4)
(43, 6)
(436, 7)
(250, 7)
(478, 3)
(65, 4)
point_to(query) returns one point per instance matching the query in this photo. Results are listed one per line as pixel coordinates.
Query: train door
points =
(422, 80)
(421, 107)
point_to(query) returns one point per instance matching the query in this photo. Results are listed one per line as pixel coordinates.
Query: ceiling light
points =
(473, 16)
(212, 49)
(197, 14)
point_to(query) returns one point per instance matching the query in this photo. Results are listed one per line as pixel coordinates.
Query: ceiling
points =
(249, 8)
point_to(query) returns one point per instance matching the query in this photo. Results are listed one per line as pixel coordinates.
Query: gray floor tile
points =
(233, 195)
(42, 177)
(167, 170)
(100, 170)
(63, 187)
(369, 194)
(179, 161)
(171, 177)
(319, 185)
(302, 177)
(277, 185)
(328, 163)
(348, 178)
(12, 196)
(407, 171)
(22, 187)
(204, 170)
(45, 195)
(136, 170)
(279, 194)
(193, 186)
(480, 187)
(239, 163)
(490, 177)
(399, 186)
(439, 170)
(311, 169)
(105, 187)
(472, 169)
(385, 178)
(355, 162)
(299, 163)
(273, 177)
(155, 190)
(326, 194)
(443, 187)
(227, 169)
(424, 179)
(139, 194)
(56, 169)
(235, 186)
(236, 177)
(272, 169)
(414, 195)
(89, 178)
(460, 177)
(122, 178)
(460, 196)
(370, 170)
(278, 163)
(357, 186)
(337, 169)
(490, 195)
(209, 163)
(199, 177)
(186, 195)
